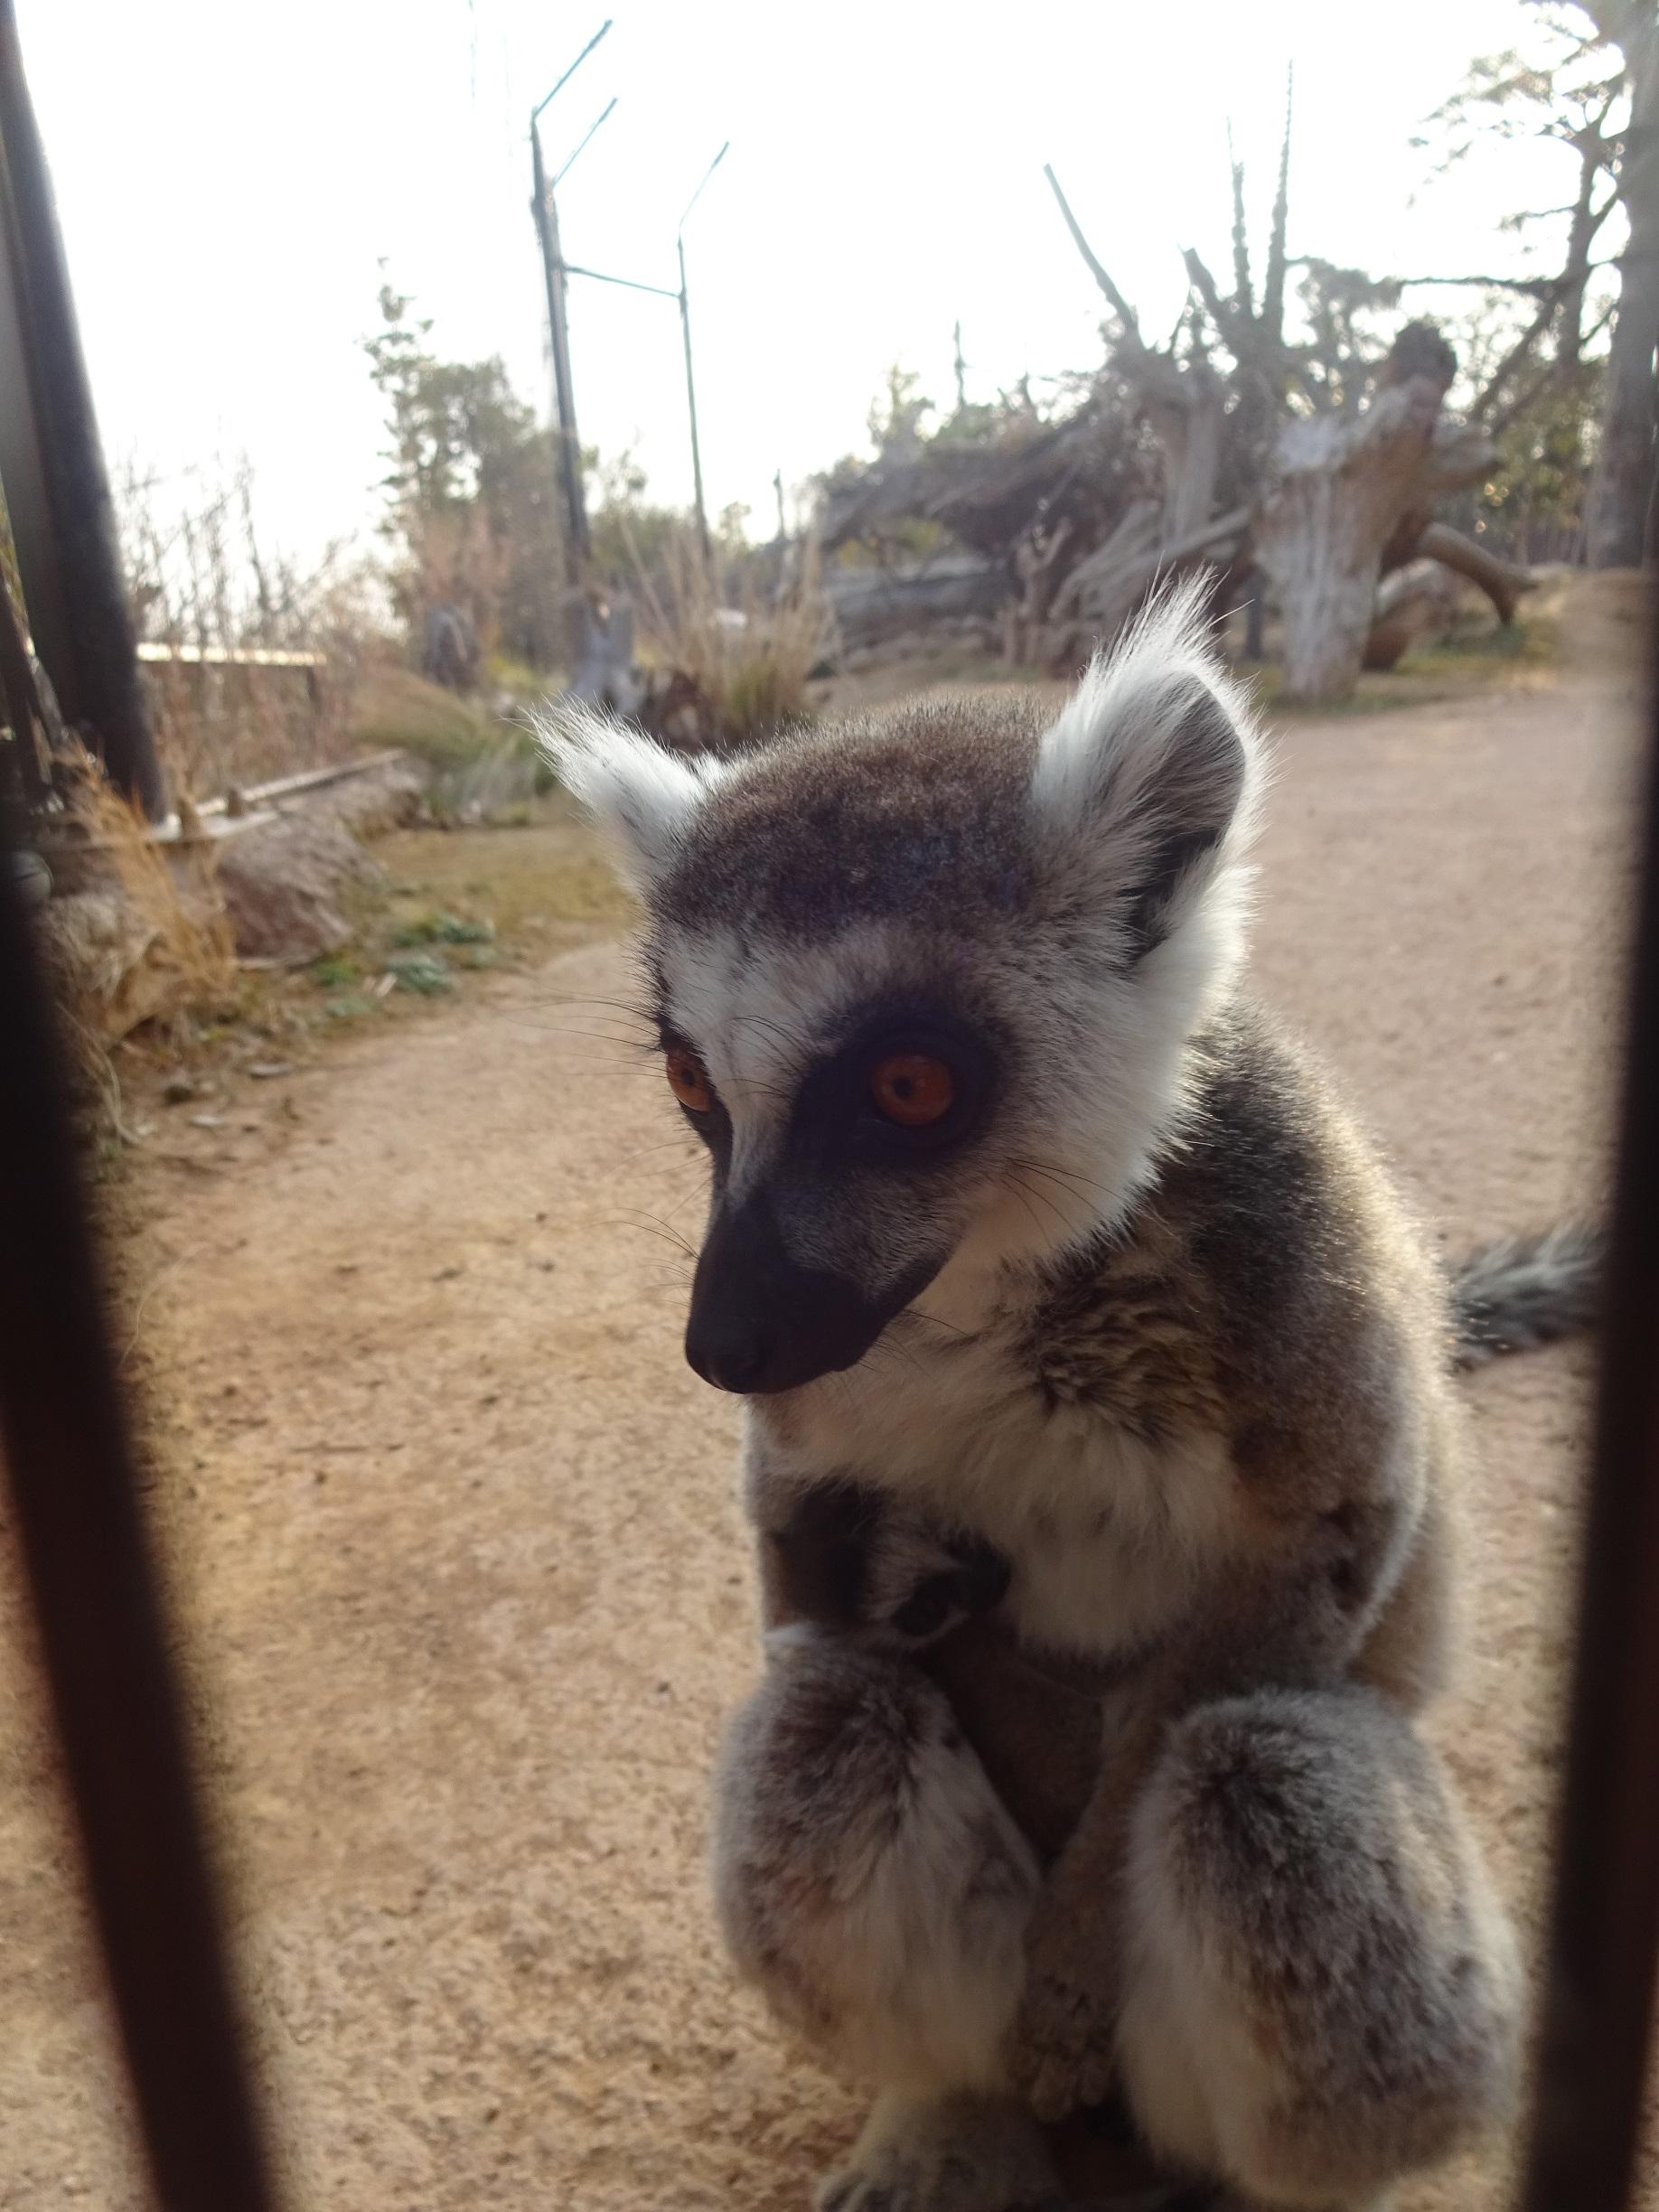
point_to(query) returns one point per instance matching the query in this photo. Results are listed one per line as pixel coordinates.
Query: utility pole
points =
(564, 398)
(961, 372)
(556, 269)
(57, 488)
(685, 332)
(545, 211)
(777, 486)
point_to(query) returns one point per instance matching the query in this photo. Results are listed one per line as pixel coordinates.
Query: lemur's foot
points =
(946, 2154)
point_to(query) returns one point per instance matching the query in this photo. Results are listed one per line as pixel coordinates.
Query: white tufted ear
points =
(1148, 774)
(640, 794)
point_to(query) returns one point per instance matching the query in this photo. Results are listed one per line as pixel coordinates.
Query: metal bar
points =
(697, 451)
(21, 704)
(685, 332)
(231, 656)
(1604, 1934)
(698, 194)
(571, 162)
(106, 1639)
(22, 472)
(62, 516)
(571, 72)
(574, 268)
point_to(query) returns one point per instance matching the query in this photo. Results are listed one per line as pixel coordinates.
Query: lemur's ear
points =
(641, 795)
(1148, 773)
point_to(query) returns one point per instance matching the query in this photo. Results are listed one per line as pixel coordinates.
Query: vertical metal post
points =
(685, 332)
(106, 1639)
(18, 697)
(577, 539)
(697, 455)
(58, 491)
(1604, 1931)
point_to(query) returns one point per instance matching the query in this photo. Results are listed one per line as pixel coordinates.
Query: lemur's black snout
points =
(760, 1322)
(731, 1359)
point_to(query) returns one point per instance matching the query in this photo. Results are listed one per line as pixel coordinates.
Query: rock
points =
(381, 797)
(284, 884)
(178, 1091)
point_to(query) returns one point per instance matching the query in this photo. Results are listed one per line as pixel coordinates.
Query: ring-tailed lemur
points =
(1030, 1232)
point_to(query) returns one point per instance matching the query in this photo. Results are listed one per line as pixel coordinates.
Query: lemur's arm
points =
(1292, 1618)
(839, 1554)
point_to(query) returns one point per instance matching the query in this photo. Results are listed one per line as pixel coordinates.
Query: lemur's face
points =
(922, 984)
(849, 1151)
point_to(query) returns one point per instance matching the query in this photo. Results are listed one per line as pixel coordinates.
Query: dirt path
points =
(455, 1528)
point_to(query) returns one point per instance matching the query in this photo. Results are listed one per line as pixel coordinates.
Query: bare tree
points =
(1622, 492)
(1590, 82)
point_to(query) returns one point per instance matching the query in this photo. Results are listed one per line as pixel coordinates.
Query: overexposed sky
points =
(229, 176)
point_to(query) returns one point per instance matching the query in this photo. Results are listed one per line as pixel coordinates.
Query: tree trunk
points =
(1340, 488)
(1616, 524)
(1189, 430)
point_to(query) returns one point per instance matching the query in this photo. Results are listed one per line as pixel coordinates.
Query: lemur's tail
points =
(1526, 1291)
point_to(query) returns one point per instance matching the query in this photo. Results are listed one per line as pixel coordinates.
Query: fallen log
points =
(1504, 584)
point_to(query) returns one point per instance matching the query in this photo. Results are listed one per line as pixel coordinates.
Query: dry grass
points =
(146, 939)
(749, 647)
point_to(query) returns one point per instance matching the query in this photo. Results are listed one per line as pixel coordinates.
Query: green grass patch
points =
(424, 973)
(444, 929)
(1476, 655)
(1476, 651)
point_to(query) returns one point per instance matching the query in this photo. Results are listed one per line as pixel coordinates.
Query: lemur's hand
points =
(1062, 2051)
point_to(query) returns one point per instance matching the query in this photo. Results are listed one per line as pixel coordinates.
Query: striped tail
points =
(1526, 1291)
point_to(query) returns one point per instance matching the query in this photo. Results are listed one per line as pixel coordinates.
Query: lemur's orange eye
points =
(913, 1088)
(687, 1080)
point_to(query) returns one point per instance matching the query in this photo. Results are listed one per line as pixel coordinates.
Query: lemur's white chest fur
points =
(1110, 1537)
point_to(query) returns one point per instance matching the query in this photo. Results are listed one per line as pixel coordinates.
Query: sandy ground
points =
(452, 1524)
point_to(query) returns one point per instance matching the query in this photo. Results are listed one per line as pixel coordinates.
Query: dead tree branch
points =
(1120, 307)
(1243, 291)
(1505, 417)
(1273, 286)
